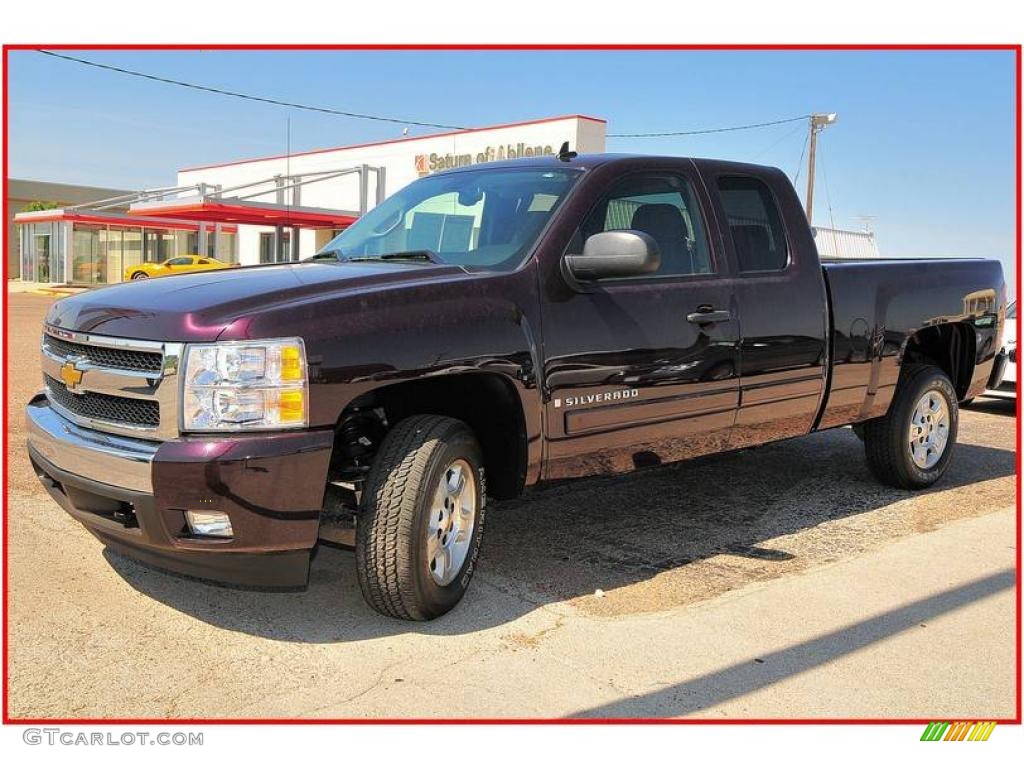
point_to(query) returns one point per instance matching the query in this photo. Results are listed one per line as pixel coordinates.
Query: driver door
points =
(635, 373)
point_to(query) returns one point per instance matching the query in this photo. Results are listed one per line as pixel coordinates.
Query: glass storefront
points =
(98, 254)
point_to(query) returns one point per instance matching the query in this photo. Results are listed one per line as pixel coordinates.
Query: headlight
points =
(241, 385)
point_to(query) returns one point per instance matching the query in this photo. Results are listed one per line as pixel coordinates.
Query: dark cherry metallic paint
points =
(799, 352)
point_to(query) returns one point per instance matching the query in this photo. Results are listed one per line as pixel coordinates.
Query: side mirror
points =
(622, 253)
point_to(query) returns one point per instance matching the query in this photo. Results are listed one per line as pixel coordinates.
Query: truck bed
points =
(877, 305)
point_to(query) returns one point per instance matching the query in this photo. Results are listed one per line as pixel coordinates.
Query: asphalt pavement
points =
(777, 582)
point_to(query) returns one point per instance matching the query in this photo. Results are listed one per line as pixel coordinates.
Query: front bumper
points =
(132, 495)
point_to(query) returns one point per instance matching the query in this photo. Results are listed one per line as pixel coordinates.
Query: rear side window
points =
(754, 223)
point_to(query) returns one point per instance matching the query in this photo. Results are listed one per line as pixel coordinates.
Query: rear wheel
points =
(418, 532)
(911, 446)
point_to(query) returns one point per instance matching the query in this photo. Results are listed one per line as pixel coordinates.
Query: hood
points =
(200, 306)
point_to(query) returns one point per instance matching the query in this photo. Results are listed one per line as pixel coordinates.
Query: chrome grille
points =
(92, 405)
(121, 386)
(107, 357)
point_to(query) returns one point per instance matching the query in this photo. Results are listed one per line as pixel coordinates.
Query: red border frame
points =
(1015, 48)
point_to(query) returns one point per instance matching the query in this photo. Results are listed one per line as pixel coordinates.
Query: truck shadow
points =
(1002, 406)
(699, 694)
(564, 541)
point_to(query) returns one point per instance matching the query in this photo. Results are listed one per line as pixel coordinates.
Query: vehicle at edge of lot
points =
(1003, 381)
(544, 318)
(177, 265)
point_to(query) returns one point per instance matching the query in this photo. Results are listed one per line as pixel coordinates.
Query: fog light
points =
(203, 523)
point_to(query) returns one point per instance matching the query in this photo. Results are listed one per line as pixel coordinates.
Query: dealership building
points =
(267, 209)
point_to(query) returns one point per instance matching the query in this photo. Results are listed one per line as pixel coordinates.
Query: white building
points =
(352, 179)
(845, 244)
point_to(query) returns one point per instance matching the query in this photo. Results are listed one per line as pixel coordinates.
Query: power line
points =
(706, 130)
(379, 118)
(800, 162)
(250, 97)
(828, 200)
(775, 143)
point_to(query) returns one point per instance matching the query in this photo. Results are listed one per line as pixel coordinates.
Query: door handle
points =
(705, 315)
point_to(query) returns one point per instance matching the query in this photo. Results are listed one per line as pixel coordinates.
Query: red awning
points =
(245, 212)
(108, 219)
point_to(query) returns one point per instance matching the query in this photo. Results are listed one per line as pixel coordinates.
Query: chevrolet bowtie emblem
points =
(70, 375)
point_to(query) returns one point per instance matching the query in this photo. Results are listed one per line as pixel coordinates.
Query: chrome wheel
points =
(929, 429)
(452, 518)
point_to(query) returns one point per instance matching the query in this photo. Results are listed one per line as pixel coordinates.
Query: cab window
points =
(663, 206)
(754, 224)
(180, 261)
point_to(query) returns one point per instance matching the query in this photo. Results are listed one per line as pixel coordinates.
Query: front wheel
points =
(911, 446)
(140, 276)
(422, 516)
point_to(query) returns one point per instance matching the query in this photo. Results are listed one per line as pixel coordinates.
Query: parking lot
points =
(776, 582)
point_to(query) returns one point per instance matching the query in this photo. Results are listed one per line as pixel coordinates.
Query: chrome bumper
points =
(123, 462)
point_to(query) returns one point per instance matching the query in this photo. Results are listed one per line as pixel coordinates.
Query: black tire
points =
(395, 517)
(886, 439)
(140, 276)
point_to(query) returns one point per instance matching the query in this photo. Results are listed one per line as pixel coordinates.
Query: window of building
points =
(113, 242)
(41, 247)
(192, 242)
(755, 224)
(663, 206)
(131, 245)
(268, 253)
(158, 245)
(225, 248)
(89, 258)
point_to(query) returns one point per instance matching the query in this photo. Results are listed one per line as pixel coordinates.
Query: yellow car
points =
(176, 266)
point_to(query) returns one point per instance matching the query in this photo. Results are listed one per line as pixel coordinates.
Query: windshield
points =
(485, 219)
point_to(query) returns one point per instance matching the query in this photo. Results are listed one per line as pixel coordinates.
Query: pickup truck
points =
(540, 319)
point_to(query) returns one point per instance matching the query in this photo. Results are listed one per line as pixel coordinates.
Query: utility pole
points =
(818, 123)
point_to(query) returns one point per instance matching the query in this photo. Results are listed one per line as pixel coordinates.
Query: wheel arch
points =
(489, 403)
(950, 347)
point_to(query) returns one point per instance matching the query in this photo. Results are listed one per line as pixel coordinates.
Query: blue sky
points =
(924, 142)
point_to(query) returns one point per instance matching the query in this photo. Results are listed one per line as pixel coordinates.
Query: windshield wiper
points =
(422, 254)
(333, 255)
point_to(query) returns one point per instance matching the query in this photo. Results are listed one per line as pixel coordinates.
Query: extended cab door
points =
(640, 371)
(780, 293)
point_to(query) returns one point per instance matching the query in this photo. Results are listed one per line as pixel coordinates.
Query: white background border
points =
(523, 21)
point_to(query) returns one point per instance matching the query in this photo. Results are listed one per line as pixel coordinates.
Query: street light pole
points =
(818, 123)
